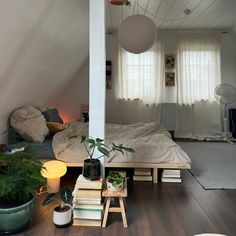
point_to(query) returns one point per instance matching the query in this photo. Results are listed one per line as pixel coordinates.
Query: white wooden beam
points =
(97, 79)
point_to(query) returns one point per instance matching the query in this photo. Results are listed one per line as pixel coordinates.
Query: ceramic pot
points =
(116, 188)
(62, 218)
(92, 169)
(117, 2)
(15, 219)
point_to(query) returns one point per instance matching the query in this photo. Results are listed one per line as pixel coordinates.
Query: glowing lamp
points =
(53, 170)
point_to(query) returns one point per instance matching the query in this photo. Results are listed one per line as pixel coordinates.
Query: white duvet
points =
(151, 142)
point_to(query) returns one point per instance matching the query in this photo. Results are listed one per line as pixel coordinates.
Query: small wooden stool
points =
(121, 195)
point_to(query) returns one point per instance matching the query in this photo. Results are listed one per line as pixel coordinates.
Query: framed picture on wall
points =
(170, 79)
(169, 61)
(108, 74)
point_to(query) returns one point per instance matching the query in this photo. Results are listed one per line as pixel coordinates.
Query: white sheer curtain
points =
(198, 114)
(139, 87)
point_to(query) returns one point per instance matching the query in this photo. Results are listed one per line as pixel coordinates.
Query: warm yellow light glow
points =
(53, 169)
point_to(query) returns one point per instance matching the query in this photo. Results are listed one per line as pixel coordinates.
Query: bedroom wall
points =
(76, 93)
(228, 66)
(43, 45)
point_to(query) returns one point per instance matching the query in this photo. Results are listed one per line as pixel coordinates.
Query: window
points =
(140, 75)
(199, 69)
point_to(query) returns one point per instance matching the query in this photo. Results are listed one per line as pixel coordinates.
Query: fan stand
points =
(226, 134)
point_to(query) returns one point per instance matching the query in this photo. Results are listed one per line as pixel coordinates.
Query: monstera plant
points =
(92, 166)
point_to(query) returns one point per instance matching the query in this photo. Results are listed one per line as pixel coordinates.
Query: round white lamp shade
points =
(137, 34)
(53, 170)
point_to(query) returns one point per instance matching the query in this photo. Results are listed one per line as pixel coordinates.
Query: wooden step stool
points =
(121, 195)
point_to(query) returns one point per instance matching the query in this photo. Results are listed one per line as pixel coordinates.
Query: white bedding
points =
(151, 142)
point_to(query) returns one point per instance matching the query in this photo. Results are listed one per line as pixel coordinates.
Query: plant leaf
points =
(66, 195)
(104, 151)
(49, 199)
(98, 140)
(92, 141)
(83, 138)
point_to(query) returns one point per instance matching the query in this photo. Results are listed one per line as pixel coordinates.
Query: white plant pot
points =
(117, 188)
(62, 219)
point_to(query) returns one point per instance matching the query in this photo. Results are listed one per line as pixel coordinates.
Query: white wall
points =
(228, 66)
(42, 46)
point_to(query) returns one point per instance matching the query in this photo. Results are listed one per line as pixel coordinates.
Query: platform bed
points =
(153, 166)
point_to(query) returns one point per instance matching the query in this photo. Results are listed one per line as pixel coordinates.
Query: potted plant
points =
(20, 175)
(92, 166)
(121, 2)
(115, 181)
(62, 214)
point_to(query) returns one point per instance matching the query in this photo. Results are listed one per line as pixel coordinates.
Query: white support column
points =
(97, 78)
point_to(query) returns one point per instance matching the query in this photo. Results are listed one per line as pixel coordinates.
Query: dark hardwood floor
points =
(162, 209)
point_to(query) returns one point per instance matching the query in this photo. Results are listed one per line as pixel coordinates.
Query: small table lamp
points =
(53, 170)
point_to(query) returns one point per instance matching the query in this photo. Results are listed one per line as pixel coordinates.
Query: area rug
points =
(213, 163)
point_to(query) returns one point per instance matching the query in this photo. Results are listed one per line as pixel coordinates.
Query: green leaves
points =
(20, 175)
(49, 199)
(66, 195)
(115, 178)
(91, 144)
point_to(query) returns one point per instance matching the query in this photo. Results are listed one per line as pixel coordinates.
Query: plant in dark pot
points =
(62, 214)
(92, 166)
(20, 176)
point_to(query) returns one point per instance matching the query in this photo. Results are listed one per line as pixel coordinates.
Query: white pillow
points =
(30, 124)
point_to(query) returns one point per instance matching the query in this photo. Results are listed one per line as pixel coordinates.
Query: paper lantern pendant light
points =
(137, 34)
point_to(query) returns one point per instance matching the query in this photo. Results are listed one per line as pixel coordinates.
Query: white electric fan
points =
(225, 94)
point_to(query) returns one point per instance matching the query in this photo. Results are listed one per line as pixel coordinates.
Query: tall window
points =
(140, 75)
(199, 68)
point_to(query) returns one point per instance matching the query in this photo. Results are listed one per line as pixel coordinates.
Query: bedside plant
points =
(62, 213)
(20, 175)
(115, 181)
(92, 167)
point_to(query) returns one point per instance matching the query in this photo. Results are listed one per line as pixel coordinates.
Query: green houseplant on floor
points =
(92, 166)
(62, 214)
(20, 175)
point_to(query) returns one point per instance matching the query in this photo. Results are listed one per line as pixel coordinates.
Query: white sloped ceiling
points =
(43, 43)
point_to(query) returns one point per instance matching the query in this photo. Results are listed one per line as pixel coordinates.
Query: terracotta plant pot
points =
(117, 2)
(62, 217)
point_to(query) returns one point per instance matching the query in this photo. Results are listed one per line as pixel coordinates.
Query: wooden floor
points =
(162, 209)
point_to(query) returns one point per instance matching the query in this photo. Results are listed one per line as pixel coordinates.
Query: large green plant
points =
(91, 144)
(20, 175)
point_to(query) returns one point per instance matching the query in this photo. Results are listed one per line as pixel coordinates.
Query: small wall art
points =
(170, 79)
(169, 61)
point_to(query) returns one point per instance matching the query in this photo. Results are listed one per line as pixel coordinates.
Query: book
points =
(87, 202)
(88, 207)
(80, 222)
(83, 194)
(176, 172)
(142, 178)
(142, 171)
(170, 176)
(92, 214)
(171, 180)
(83, 183)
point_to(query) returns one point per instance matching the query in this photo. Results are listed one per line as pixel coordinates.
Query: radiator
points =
(168, 116)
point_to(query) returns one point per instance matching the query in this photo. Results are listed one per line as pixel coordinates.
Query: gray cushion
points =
(52, 115)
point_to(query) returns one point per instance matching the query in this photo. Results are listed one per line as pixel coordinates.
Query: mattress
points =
(41, 150)
(152, 144)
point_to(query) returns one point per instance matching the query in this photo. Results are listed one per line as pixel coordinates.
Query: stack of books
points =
(87, 202)
(171, 176)
(142, 175)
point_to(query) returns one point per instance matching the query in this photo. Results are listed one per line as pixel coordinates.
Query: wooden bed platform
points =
(153, 166)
